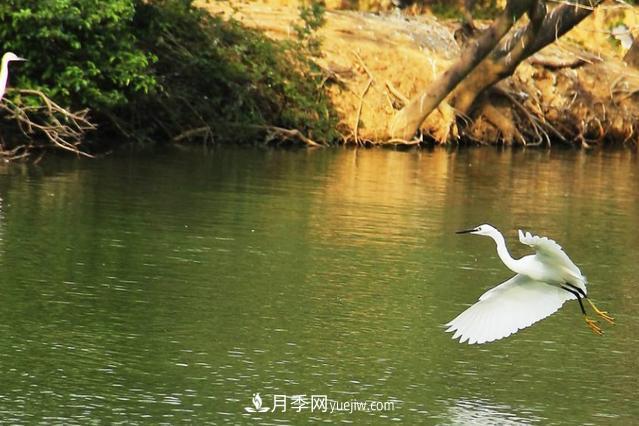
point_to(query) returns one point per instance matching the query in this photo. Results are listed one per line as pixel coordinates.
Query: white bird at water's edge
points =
(4, 70)
(543, 282)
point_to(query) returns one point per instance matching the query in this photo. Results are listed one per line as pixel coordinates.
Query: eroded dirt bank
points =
(578, 90)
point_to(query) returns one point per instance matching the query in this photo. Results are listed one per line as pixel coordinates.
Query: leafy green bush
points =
(220, 74)
(80, 52)
(156, 69)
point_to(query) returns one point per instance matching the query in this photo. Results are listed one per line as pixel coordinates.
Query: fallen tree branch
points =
(47, 122)
(281, 134)
(205, 132)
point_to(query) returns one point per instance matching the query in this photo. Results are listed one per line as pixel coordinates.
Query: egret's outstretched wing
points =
(550, 250)
(507, 308)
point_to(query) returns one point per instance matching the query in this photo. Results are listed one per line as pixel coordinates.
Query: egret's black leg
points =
(577, 289)
(577, 292)
(577, 295)
(602, 314)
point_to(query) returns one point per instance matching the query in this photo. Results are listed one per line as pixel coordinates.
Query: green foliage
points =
(80, 52)
(160, 68)
(486, 9)
(220, 74)
(482, 9)
(313, 18)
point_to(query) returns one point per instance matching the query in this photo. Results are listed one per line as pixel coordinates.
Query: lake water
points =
(174, 287)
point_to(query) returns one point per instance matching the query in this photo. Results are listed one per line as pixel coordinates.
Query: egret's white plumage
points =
(507, 308)
(556, 262)
(543, 282)
(4, 70)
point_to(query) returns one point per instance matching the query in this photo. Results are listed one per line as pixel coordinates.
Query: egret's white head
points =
(484, 229)
(10, 56)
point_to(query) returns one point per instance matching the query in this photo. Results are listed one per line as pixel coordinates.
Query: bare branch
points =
(48, 122)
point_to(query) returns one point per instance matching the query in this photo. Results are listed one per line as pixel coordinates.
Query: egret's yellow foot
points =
(602, 314)
(593, 326)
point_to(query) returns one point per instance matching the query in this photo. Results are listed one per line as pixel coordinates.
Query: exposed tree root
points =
(503, 123)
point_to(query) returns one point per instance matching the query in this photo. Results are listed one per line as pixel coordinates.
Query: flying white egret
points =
(543, 282)
(4, 70)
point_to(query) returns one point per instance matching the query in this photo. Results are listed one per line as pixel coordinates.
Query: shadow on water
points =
(176, 287)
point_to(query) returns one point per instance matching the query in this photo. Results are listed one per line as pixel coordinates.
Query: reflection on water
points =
(482, 412)
(176, 287)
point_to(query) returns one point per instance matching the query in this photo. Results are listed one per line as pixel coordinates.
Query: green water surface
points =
(173, 287)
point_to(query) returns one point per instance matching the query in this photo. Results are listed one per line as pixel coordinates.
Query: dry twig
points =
(395, 92)
(359, 110)
(361, 97)
(282, 134)
(46, 121)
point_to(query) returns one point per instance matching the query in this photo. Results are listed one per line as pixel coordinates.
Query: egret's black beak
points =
(466, 231)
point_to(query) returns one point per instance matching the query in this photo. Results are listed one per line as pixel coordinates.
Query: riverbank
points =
(576, 91)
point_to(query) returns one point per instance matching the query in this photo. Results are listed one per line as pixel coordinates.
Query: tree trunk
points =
(406, 122)
(477, 74)
(501, 63)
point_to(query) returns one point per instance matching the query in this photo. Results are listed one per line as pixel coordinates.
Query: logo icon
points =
(257, 405)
